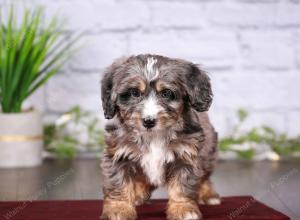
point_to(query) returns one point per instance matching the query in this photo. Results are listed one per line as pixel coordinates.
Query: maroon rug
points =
(242, 207)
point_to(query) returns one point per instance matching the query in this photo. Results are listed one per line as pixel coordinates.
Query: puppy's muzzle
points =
(149, 122)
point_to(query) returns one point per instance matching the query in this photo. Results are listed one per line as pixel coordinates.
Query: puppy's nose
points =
(149, 122)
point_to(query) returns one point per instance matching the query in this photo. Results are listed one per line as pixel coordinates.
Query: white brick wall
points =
(268, 49)
(69, 89)
(233, 14)
(211, 49)
(168, 15)
(97, 51)
(250, 48)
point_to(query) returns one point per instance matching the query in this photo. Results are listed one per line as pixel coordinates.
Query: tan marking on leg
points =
(207, 195)
(181, 207)
(118, 210)
(142, 190)
(120, 205)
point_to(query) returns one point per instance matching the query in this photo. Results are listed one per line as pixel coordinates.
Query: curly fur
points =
(179, 151)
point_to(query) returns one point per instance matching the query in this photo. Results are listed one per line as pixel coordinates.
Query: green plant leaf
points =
(265, 135)
(63, 142)
(242, 114)
(25, 64)
(246, 154)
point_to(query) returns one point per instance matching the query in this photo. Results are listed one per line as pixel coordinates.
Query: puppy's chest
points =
(153, 161)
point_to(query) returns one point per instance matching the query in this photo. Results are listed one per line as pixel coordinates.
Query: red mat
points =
(239, 208)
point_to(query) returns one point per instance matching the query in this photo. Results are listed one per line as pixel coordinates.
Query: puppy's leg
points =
(142, 190)
(182, 205)
(118, 204)
(207, 195)
(118, 188)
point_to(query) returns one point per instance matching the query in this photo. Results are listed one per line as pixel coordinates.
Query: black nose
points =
(149, 122)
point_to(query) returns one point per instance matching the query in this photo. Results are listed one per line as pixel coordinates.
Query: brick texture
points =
(251, 50)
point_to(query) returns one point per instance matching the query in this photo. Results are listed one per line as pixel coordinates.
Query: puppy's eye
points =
(135, 92)
(132, 92)
(168, 94)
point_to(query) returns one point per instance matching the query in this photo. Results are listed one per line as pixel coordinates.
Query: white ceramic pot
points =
(21, 140)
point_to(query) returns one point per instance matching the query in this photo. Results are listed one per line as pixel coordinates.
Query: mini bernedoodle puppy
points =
(159, 134)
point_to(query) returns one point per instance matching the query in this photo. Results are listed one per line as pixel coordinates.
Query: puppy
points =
(160, 134)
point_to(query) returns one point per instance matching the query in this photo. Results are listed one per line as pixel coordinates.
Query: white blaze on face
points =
(150, 72)
(151, 107)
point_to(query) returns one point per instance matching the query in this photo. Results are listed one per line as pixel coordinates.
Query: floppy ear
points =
(198, 89)
(108, 101)
(108, 104)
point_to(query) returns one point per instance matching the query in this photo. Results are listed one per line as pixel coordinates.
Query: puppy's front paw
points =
(213, 200)
(183, 211)
(115, 210)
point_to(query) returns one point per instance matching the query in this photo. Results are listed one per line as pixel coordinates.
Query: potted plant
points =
(30, 54)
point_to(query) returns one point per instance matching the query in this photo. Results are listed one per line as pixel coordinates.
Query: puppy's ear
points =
(107, 84)
(198, 89)
(108, 103)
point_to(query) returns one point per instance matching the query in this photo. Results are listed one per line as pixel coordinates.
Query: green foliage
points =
(278, 143)
(246, 154)
(63, 141)
(30, 54)
(242, 114)
(62, 145)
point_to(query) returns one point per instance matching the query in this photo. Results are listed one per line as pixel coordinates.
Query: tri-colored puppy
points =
(160, 134)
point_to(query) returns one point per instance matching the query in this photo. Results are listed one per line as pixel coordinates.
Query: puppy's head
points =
(151, 93)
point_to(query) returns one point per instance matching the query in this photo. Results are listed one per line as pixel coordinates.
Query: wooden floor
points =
(275, 183)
